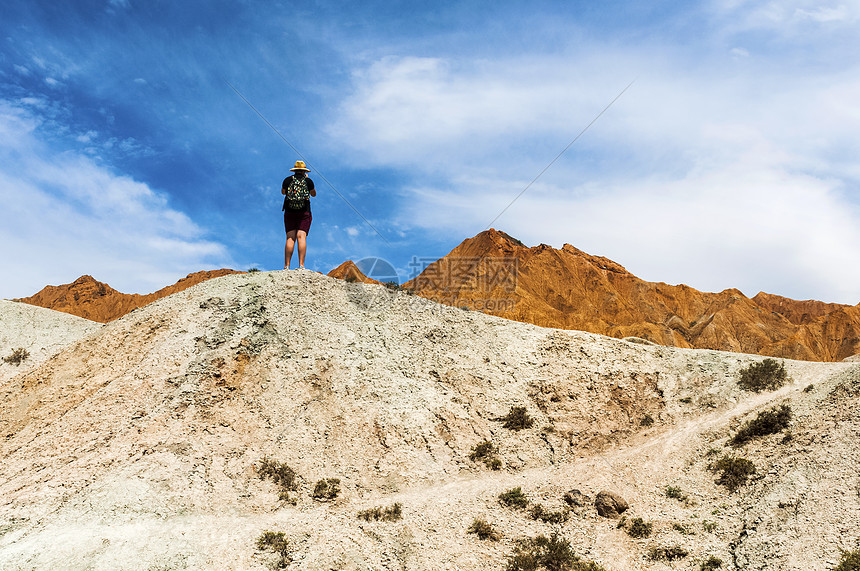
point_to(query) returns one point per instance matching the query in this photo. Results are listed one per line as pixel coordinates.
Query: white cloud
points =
(86, 137)
(65, 215)
(715, 176)
(840, 13)
(787, 16)
(430, 113)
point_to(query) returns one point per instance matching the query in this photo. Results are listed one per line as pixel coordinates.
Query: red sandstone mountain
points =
(348, 271)
(96, 301)
(570, 289)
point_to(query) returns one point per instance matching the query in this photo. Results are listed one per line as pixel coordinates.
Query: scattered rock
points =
(610, 504)
(575, 498)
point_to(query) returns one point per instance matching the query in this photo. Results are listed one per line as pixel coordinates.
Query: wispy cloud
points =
(65, 215)
(725, 174)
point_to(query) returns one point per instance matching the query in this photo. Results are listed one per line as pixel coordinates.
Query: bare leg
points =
(288, 248)
(302, 238)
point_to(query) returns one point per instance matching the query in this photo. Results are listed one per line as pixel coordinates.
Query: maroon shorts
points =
(297, 220)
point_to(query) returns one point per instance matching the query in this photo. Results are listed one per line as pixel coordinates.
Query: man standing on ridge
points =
(297, 190)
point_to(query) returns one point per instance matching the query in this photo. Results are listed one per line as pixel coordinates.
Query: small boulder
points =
(610, 504)
(576, 499)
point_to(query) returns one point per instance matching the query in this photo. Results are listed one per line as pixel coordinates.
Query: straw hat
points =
(300, 166)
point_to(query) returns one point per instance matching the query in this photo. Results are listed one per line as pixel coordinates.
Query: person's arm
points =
(312, 190)
(284, 186)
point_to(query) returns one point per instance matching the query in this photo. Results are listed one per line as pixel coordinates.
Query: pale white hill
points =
(40, 332)
(139, 449)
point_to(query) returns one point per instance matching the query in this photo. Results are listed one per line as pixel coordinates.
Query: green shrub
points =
(484, 530)
(734, 472)
(350, 279)
(767, 422)
(517, 419)
(687, 400)
(17, 356)
(709, 526)
(809, 388)
(646, 421)
(682, 529)
(393, 513)
(482, 450)
(768, 374)
(711, 563)
(667, 553)
(551, 553)
(675, 493)
(253, 270)
(850, 561)
(539, 513)
(326, 489)
(275, 542)
(639, 528)
(493, 463)
(514, 498)
(282, 475)
(486, 452)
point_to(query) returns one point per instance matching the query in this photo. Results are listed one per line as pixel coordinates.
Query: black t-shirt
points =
(286, 184)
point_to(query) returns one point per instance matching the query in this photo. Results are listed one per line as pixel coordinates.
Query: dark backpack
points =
(297, 193)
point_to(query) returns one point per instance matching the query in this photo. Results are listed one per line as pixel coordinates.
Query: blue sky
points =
(732, 161)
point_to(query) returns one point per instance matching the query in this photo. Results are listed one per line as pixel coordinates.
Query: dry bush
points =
(514, 498)
(484, 530)
(393, 513)
(850, 561)
(486, 452)
(326, 489)
(768, 374)
(711, 563)
(17, 356)
(667, 553)
(282, 475)
(639, 528)
(517, 419)
(734, 471)
(767, 422)
(676, 494)
(551, 553)
(539, 513)
(275, 542)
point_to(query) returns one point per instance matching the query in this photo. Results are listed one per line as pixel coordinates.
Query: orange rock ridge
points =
(91, 299)
(570, 289)
(348, 271)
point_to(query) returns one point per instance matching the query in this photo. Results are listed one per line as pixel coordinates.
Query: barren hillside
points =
(40, 332)
(139, 446)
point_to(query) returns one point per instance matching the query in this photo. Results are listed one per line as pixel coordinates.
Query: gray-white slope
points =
(150, 431)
